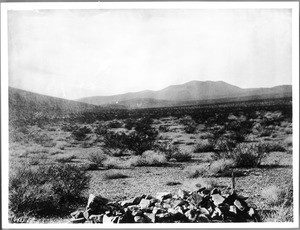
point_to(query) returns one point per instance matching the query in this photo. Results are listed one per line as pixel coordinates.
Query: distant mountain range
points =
(193, 92)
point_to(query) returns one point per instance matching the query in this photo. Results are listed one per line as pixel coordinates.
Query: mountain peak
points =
(189, 91)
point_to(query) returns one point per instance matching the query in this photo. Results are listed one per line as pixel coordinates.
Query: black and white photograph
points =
(150, 114)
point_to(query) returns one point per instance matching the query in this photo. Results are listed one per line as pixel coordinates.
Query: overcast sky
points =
(79, 53)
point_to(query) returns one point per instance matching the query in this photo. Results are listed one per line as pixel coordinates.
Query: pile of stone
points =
(202, 205)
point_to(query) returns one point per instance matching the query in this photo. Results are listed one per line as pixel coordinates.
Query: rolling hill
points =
(21, 101)
(193, 92)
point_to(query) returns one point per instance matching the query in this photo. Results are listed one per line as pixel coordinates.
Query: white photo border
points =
(5, 7)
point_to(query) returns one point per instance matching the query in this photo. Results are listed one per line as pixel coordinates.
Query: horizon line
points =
(145, 89)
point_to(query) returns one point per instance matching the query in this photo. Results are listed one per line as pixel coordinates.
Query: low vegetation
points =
(98, 158)
(279, 200)
(168, 148)
(149, 158)
(44, 190)
(204, 146)
(114, 175)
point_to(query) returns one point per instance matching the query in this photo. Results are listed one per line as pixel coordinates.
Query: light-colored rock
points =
(109, 219)
(251, 212)
(232, 209)
(95, 202)
(239, 205)
(150, 217)
(145, 203)
(217, 199)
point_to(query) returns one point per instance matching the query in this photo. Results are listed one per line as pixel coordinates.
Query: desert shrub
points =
(36, 149)
(100, 130)
(248, 155)
(33, 161)
(221, 166)
(204, 146)
(114, 124)
(189, 123)
(115, 163)
(181, 156)
(130, 123)
(116, 152)
(271, 147)
(167, 149)
(51, 129)
(114, 175)
(80, 133)
(173, 183)
(97, 158)
(223, 146)
(239, 128)
(68, 127)
(87, 144)
(15, 135)
(279, 200)
(43, 190)
(149, 158)
(190, 128)
(114, 140)
(289, 141)
(61, 145)
(273, 195)
(65, 159)
(288, 130)
(163, 128)
(138, 141)
(265, 133)
(193, 171)
(41, 138)
(280, 214)
(232, 128)
(186, 120)
(90, 166)
(272, 118)
(173, 152)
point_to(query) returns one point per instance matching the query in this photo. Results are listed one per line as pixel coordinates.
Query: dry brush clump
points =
(114, 175)
(98, 158)
(280, 201)
(64, 159)
(139, 140)
(247, 155)
(190, 126)
(45, 190)
(221, 167)
(149, 158)
(204, 146)
(173, 153)
(80, 133)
